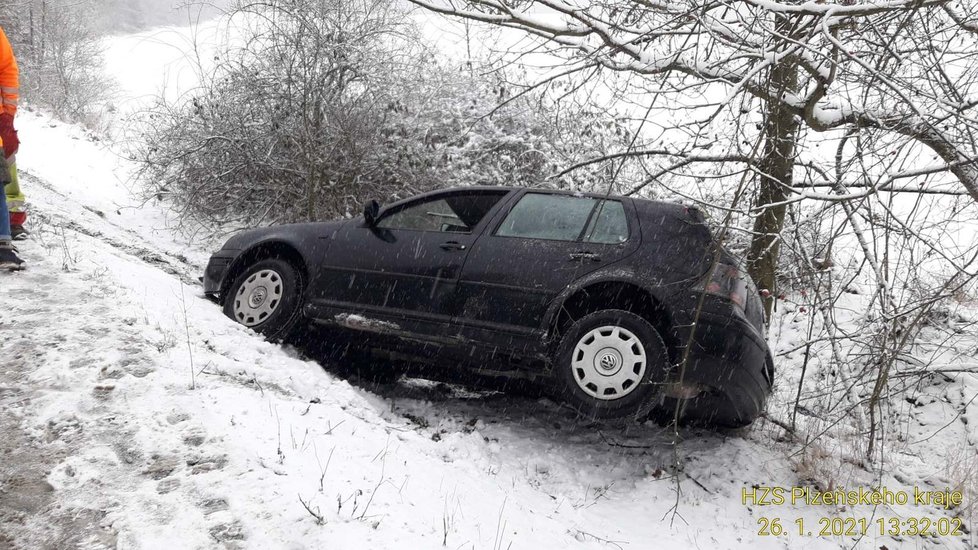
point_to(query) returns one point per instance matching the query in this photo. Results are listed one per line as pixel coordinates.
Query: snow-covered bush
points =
(323, 104)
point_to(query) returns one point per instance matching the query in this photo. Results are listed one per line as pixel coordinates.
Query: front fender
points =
(305, 243)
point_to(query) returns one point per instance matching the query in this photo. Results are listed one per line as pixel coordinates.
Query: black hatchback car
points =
(618, 305)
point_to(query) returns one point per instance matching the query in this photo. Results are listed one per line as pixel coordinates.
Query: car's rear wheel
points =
(266, 297)
(608, 363)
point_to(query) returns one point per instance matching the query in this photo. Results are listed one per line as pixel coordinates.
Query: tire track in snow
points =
(89, 224)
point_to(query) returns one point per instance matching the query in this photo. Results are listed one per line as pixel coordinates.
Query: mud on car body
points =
(620, 306)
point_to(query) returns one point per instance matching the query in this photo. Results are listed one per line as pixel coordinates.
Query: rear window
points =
(566, 218)
(608, 224)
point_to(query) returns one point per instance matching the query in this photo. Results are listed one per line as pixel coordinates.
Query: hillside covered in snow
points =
(134, 414)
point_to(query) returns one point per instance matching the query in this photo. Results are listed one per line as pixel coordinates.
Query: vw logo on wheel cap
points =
(257, 297)
(609, 361)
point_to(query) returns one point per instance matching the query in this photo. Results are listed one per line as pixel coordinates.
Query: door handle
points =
(581, 256)
(452, 245)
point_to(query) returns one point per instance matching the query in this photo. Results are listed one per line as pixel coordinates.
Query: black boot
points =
(18, 232)
(8, 258)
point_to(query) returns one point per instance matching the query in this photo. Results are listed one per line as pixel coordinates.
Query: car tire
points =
(609, 364)
(708, 411)
(266, 297)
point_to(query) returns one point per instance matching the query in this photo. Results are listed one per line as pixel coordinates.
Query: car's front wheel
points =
(607, 365)
(266, 297)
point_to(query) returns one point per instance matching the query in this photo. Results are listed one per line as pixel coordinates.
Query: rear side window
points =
(552, 217)
(608, 224)
(563, 218)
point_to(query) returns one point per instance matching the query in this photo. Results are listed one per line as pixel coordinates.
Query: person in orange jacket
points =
(9, 95)
(9, 145)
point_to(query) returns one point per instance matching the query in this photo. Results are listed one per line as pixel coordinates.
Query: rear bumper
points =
(215, 273)
(729, 359)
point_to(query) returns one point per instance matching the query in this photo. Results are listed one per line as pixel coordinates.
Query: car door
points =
(535, 250)
(405, 267)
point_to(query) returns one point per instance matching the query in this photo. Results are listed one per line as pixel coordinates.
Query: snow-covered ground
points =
(133, 414)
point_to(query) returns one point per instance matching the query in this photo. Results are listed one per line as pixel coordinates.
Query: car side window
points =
(457, 213)
(608, 224)
(552, 217)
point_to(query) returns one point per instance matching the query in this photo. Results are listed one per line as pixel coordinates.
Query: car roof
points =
(644, 205)
(638, 200)
(645, 208)
(507, 189)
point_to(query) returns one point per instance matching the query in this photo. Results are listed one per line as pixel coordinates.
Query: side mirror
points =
(370, 212)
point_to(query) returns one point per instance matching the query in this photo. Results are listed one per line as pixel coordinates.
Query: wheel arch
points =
(613, 294)
(267, 249)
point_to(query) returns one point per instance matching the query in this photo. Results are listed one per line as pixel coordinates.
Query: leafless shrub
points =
(60, 54)
(962, 471)
(325, 103)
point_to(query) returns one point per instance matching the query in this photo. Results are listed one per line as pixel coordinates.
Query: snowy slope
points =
(135, 415)
(104, 342)
(106, 326)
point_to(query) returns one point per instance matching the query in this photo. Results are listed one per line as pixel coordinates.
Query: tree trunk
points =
(776, 167)
(312, 194)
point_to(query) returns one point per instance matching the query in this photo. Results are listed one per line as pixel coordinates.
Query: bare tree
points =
(906, 68)
(60, 54)
(851, 124)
